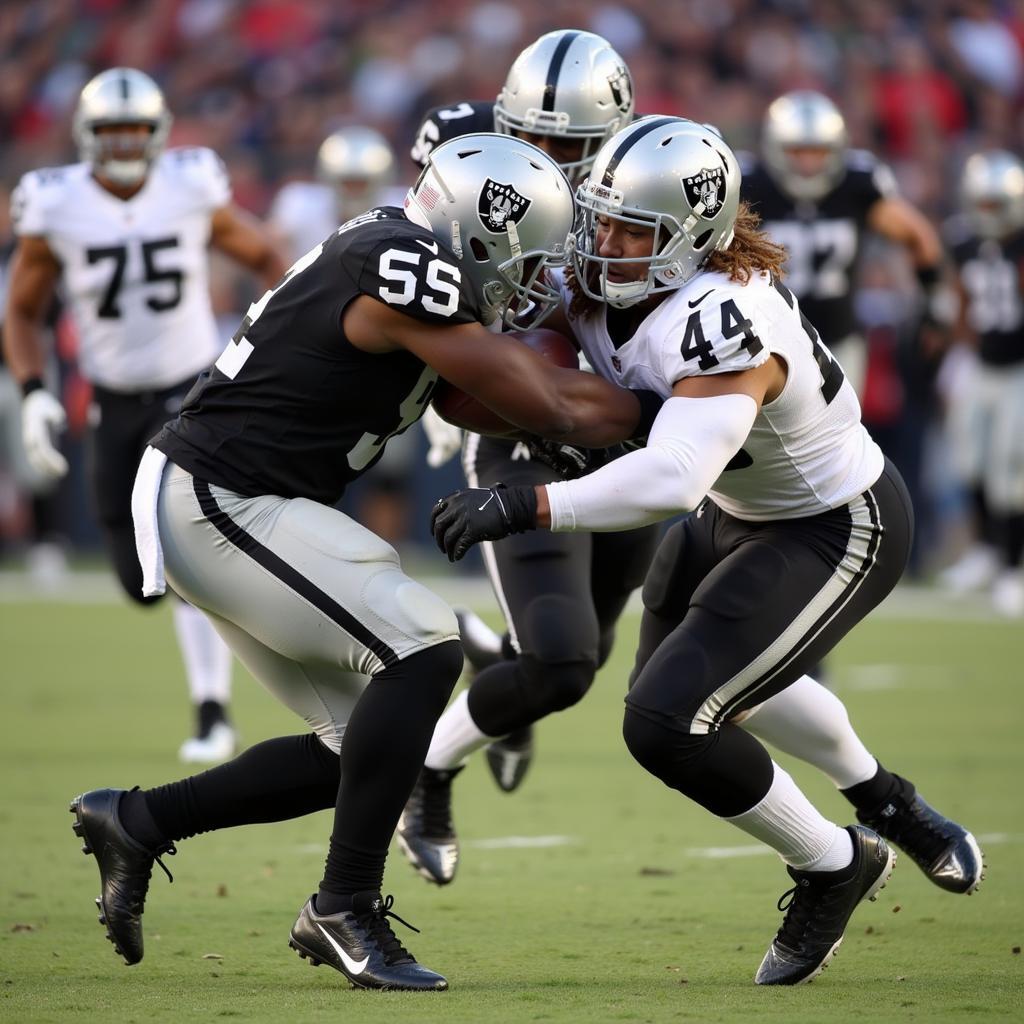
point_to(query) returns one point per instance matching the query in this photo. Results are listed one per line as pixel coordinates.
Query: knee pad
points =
(556, 629)
(667, 752)
(553, 686)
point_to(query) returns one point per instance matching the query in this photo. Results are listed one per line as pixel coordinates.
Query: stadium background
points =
(647, 911)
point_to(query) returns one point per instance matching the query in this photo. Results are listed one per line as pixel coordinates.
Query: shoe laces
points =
(375, 921)
(798, 906)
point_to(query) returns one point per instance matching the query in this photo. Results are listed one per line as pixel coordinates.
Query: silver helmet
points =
(358, 162)
(804, 119)
(666, 173)
(120, 96)
(507, 211)
(992, 192)
(569, 84)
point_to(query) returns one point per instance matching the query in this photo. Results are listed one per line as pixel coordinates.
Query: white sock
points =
(207, 658)
(456, 736)
(790, 824)
(808, 721)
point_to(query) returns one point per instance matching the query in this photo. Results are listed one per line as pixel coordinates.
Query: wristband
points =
(522, 507)
(30, 385)
(650, 405)
(927, 277)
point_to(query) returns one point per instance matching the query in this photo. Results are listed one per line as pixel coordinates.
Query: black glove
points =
(569, 461)
(482, 513)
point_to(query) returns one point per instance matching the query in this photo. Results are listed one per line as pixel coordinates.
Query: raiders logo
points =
(707, 188)
(498, 204)
(622, 89)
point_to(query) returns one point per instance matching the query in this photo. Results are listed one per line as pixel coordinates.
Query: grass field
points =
(646, 908)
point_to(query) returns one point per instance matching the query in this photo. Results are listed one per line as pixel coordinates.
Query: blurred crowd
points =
(921, 83)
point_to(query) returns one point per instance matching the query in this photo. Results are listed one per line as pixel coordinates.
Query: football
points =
(465, 411)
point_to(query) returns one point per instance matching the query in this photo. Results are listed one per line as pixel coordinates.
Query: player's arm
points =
(241, 236)
(34, 273)
(699, 429)
(897, 220)
(505, 375)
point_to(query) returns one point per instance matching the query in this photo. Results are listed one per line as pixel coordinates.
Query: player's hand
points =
(42, 416)
(570, 461)
(481, 513)
(445, 438)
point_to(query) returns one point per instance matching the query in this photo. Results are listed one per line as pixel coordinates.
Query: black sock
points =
(208, 714)
(349, 870)
(882, 786)
(272, 781)
(138, 822)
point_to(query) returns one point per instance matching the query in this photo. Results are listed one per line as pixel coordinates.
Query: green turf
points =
(628, 922)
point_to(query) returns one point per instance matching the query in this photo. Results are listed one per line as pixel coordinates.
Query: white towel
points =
(147, 536)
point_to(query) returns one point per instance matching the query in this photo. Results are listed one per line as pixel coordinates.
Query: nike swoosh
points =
(429, 246)
(352, 966)
(486, 503)
(697, 302)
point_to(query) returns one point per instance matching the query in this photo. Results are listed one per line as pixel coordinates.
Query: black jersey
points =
(991, 274)
(291, 407)
(823, 238)
(442, 124)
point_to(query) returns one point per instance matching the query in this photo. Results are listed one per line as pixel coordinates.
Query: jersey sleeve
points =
(874, 179)
(203, 172)
(410, 270)
(442, 124)
(29, 205)
(720, 335)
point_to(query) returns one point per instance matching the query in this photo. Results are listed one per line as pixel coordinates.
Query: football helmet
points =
(992, 193)
(804, 120)
(360, 164)
(571, 84)
(667, 173)
(120, 96)
(507, 211)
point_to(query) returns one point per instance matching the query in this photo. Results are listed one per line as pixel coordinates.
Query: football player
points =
(234, 503)
(800, 527)
(355, 170)
(561, 596)
(125, 232)
(818, 198)
(987, 415)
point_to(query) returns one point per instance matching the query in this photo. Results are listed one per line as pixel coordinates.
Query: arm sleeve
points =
(690, 445)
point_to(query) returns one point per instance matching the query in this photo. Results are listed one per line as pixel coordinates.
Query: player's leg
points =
(315, 604)
(122, 426)
(781, 598)
(1004, 483)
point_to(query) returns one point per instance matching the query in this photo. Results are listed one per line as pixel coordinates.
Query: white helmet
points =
(667, 173)
(570, 84)
(359, 163)
(507, 211)
(120, 96)
(992, 192)
(804, 119)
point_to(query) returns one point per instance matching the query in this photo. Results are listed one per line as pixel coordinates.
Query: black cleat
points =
(945, 851)
(482, 646)
(426, 833)
(819, 908)
(361, 945)
(124, 864)
(509, 758)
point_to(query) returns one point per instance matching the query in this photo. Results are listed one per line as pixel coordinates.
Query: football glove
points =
(482, 513)
(41, 413)
(445, 438)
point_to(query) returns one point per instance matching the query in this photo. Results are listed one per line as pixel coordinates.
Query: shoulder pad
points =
(203, 171)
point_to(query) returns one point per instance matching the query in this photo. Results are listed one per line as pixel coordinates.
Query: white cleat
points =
(219, 744)
(1008, 594)
(975, 570)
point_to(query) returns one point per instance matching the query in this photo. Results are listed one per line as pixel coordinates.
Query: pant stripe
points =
(305, 588)
(817, 614)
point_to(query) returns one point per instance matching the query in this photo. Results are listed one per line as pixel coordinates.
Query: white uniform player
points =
(799, 527)
(125, 233)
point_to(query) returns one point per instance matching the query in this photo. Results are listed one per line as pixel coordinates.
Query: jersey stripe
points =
(627, 144)
(555, 69)
(288, 575)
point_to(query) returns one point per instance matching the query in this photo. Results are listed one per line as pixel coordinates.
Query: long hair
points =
(750, 251)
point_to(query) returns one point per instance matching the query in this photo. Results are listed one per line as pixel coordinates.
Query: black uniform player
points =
(561, 596)
(234, 499)
(818, 198)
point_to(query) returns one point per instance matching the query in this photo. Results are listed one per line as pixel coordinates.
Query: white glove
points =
(445, 438)
(41, 413)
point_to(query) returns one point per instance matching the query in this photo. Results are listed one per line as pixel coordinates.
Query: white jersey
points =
(135, 271)
(306, 212)
(808, 450)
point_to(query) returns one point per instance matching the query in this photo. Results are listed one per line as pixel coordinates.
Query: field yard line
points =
(906, 602)
(520, 842)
